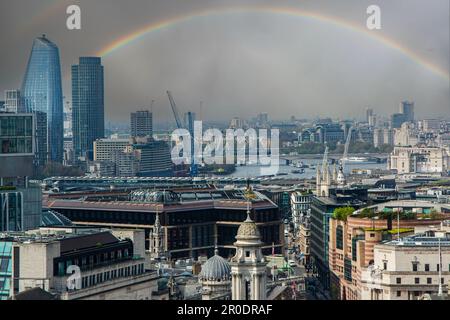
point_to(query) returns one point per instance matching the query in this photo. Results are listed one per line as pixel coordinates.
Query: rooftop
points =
(421, 240)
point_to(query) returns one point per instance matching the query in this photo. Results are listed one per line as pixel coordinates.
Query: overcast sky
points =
(241, 64)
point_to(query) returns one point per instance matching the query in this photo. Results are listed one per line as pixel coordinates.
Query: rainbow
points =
(159, 25)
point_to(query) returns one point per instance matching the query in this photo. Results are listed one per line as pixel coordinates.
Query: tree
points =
(342, 213)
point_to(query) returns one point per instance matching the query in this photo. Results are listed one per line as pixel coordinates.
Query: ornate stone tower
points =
(323, 181)
(248, 266)
(157, 240)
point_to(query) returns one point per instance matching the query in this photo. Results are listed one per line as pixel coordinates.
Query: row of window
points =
(415, 267)
(98, 278)
(92, 260)
(417, 280)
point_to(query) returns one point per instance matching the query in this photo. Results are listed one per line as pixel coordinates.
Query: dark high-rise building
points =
(42, 92)
(88, 112)
(141, 124)
(407, 108)
(397, 119)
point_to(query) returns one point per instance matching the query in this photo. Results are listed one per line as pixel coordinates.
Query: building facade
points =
(42, 91)
(408, 268)
(154, 159)
(352, 241)
(81, 264)
(88, 111)
(191, 221)
(419, 160)
(142, 124)
(104, 148)
(17, 144)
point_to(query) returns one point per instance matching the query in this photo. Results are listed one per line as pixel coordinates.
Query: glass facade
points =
(339, 237)
(88, 112)
(42, 91)
(348, 269)
(5, 269)
(16, 134)
(11, 210)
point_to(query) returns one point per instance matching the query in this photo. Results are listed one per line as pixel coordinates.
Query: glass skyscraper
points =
(88, 112)
(42, 92)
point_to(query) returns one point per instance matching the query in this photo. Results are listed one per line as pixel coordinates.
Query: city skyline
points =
(222, 51)
(253, 152)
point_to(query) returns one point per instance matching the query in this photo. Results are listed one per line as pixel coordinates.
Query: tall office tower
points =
(42, 91)
(88, 112)
(407, 108)
(13, 102)
(369, 113)
(371, 118)
(141, 124)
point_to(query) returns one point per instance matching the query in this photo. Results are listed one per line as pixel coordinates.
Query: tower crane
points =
(347, 145)
(341, 176)
(175, 110)
(325, 158)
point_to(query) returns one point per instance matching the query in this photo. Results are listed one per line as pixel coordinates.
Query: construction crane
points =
(325, 158)
(175, 110)
(347, 145)
(181, 125)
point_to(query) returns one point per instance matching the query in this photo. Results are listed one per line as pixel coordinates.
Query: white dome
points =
(216, 268)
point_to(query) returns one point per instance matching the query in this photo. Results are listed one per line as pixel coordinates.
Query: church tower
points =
(323, 181)
(157, 240)
(248, 266)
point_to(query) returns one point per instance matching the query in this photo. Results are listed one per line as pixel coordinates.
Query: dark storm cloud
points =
(242, 64)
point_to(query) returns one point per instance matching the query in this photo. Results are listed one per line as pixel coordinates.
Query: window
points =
(247, 254)
(399, 293)
(416, 280)
(61, 269)
(399, 280)
(414, 266)
(339, 237)
(385, 265)
(429, 281)
(427, 267)
(437, 267)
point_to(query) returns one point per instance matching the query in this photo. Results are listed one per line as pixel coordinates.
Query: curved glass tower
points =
(42, 92)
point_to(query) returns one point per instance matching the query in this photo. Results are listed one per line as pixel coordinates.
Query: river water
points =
(255, 170)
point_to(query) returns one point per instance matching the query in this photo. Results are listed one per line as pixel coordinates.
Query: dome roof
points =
(248, 229)
(216, 268)
(341, 177)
